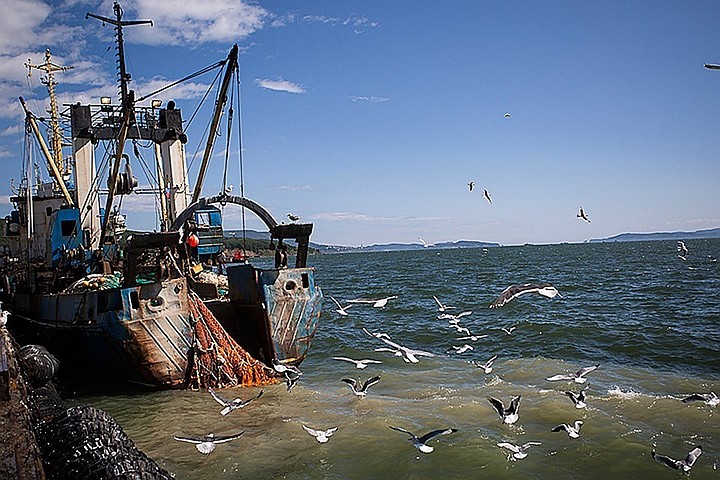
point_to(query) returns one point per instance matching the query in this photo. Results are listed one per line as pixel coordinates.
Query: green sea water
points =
(649, 319)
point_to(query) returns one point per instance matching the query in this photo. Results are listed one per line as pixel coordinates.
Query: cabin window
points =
(67, 228)
(203, 219)
(305, 280)
(134, 299)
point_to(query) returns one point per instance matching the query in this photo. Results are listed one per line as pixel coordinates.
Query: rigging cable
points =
(238, 85)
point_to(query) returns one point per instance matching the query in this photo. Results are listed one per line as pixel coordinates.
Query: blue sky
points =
(368, 118)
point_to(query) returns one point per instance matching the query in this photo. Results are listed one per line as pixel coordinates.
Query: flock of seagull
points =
(509, 414)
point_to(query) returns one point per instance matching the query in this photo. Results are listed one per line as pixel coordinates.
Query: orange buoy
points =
(193, 241)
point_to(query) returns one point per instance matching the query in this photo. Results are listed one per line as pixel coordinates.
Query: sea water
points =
(646, 317)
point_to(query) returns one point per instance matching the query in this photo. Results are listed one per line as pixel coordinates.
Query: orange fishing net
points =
(219, 361)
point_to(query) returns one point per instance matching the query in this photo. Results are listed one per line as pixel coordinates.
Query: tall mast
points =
(123, 76)
(55, 134)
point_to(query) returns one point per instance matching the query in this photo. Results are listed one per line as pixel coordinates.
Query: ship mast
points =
(55, 134)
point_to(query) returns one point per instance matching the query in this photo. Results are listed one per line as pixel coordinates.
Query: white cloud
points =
(280, 85)
(19, 22)
(354, 98)
(357, 22)
(294, 188)
(361, 217)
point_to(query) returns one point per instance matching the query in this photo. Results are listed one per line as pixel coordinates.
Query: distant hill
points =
(392, 247)
(637, 237)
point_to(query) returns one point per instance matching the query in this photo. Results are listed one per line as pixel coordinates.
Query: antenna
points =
(55, 134)
(123, 76)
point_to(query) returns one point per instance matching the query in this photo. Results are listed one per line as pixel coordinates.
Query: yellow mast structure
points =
(55, 133)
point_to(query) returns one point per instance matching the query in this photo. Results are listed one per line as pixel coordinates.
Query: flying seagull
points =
(709, 398)
(320, 435)
(518, 451)
(578, 398)
(487, 366)
(341, 310)
(683, 465)
(582, 215)
(380, 303)
(509, 415)
(573, 431)
(507, 115)
(514, 291)
(207, 443)
(293, 218)
(409, 355)
(421, 442)
(230, 405)
(441, 307)
(682, 249)
(577, 377)
(508, 330)
(459, 350)
(362, 391)
(486, 195)
(361, 364)
(291, 379)
(424, 243)
(471, 185)
(453, 318)
(472, 338)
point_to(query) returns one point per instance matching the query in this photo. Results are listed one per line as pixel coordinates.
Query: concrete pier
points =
(19, 452)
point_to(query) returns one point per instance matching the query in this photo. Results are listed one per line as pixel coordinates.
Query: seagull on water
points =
(320, 435)
(341, 310)
(577, 377)
(509, 415)
(471, 185)
(514, 291)
(578, 398)
(573, 431)
(361, 364)
(293, 218)
(518, 451)
(207, 443)
(582, 215)
(441, 308)
(362, 391)
(421, 442)
(230, 405)
(486, 195)
(709, 398)
(487, 366)
(683, 465)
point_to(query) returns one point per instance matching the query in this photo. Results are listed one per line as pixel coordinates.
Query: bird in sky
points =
(507, 115)
(582, 215)
(577, 377)
(514, 291)
(361, 364)
(510, 414)
(471, 185)
(361, 391)
(421, 442)
(230, 405)
(207, 443)
(293, 218)
(321, 436)
(424, 243)
(518, 452)
(573, 430)
(486, 195)
(341, 310)
(683, 465)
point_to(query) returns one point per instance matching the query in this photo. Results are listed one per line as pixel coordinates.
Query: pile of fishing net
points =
(219, 361)
(96, 281)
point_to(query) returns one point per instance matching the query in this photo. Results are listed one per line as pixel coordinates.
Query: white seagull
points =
(283, 367)
(487, 366)
(682, 249)
(459, 350)
(486, 195)
(320, 435)
(683, 465)
(230, 405)
(362, 391)
(508, 330)
(454, 318)
(293, 218)
(472, 338)
(577, 377)
(424, 243)
(709, 398)
(509, 415)
(582, 215)
(471, 185)
(341, 310)
(514, 291)
(361, 364)
(578, 398)
(207, 443)
(518, 451)
(573, 431)
(380, 303)
(421, 442)
(409, 354)
(441, 308)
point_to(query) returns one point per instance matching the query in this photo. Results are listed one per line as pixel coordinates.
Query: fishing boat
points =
(142, 307)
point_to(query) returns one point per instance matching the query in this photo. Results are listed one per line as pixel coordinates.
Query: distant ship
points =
(142, 307)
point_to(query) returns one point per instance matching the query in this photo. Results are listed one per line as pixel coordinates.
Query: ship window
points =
(67, 227)
(134, 299)
(305, 280)
(48, 211)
